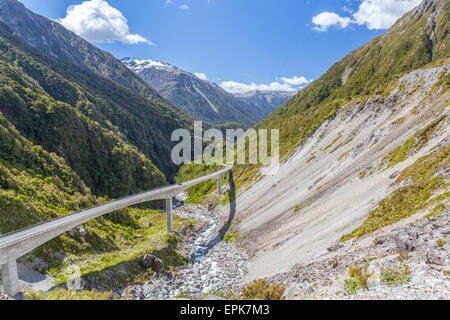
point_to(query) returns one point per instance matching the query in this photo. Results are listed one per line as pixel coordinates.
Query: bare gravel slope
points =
(323, 178)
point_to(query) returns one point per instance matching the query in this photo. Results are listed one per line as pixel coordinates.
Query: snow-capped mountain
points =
(203, 99)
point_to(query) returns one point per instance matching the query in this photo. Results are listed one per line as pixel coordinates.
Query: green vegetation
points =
(342, 156)
(358, 279)
(441, 242)
(333, 142)
(399, 121)
(192, 171)
(231, 236)
(419, 140)
(261, 290)
(298, 207)
(71, 139)
(407, 200)
(396, 276)
(127, 238)
(63, 294)
(438, 209)
(115, 140)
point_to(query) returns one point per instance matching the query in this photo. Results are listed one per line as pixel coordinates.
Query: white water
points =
(215, 265)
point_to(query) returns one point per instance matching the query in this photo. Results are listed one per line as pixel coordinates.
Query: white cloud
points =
(97, 21)
(375, 14)
(382, 14)
(293, 84)
(326, 19)
(295, 81)
(201, 76)
(184, 7)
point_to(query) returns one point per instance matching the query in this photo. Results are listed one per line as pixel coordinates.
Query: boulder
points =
(147, 225)
(158, 266)
(406, 239)
(151, 262)
(297, 290)
(380, 239)
(437, 225)
(77, 232)
(433, 257)
(335, 247)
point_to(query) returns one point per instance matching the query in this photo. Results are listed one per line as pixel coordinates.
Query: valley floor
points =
(216, 266)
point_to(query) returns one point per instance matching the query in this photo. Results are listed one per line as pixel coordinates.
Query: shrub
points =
(358, 279)
(261, 290)
(397, 275)
(441, 242)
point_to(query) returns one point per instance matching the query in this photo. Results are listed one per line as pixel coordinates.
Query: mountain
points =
(365, 151)
(421, 37)
(53, 39)
(268, 101)
(94, 83)
(72, 137)
(203, 99)
(79, 115)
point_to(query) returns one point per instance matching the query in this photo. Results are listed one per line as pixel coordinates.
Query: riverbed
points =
(215, 266)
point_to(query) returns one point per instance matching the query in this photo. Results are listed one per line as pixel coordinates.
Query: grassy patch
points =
(399, 121)
(396, 276)
(342, 156)
(231, 236)
(438, 209)
(409, 199)
(63, 294)
(419, 140)
(440, 242)
(298, 207)
(334, 141)
(261, 290)
(192, 171)
(357, 280)
(122, 260)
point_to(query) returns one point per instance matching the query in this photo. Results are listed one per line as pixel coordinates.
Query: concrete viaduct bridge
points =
(18, 244)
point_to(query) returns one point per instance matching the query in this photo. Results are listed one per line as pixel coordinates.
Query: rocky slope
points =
(364, 147)
(345, 170)
(203, 99)
(267, 101)
(408, 260)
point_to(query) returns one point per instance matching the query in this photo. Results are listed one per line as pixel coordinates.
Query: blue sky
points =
(232, 42)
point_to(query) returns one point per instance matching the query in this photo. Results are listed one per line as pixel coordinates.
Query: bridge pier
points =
(219, 185)
(169, 215)
(10, 278)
